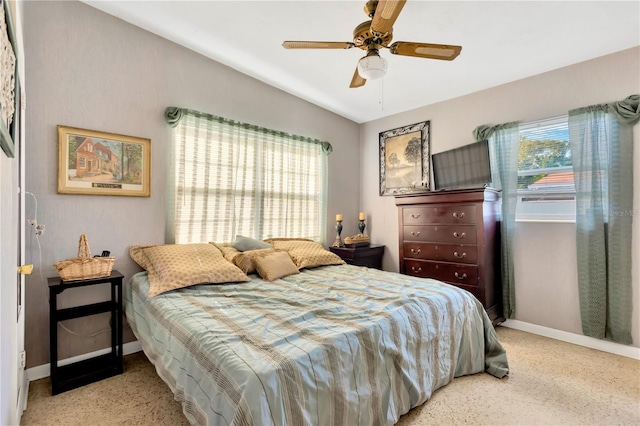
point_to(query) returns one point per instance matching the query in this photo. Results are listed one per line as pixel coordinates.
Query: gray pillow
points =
(245, 244)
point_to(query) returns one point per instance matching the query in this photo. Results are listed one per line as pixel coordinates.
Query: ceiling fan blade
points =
(425, 50)
(317, 45)
(386, 14)
(357, 81)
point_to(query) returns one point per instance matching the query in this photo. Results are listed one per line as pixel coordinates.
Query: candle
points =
(362, 216)
(338, 217)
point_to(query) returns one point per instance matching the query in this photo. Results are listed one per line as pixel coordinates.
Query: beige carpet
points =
(550, 383)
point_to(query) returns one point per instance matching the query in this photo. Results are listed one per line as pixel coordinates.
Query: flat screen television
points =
(464, 167)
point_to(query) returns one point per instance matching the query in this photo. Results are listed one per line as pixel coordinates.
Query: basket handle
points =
(83, 247)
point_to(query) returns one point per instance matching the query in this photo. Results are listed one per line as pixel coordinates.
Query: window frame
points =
(564, 208)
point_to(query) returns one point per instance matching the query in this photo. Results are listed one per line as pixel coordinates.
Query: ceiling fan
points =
(376, 34)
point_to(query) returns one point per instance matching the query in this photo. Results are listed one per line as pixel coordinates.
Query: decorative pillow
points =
(306, 253)
(245, 244)
(271, 240)
(246, 260)
(228, 252)
(274, 265)
(173, 266)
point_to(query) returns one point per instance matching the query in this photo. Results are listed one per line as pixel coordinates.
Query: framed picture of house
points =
(404, 159)
(99, 163)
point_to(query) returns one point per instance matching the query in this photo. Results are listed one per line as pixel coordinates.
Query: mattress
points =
(334, 345)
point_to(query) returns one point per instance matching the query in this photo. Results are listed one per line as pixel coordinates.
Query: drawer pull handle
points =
(458, 215)
(460, 277)
(415, 233)
(414, 251)
(415, 215)
(413, 268)
(455, 234)
(459, 256)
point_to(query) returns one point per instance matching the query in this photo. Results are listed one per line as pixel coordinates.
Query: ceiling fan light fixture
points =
(372, 67)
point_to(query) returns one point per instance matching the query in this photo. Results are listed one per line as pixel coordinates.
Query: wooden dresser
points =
(454, 236)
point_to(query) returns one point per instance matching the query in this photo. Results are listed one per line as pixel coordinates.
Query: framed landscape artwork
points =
(99, 163)
(404, 159)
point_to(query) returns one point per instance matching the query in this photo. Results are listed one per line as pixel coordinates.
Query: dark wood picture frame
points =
(9, 129)
(404, 159)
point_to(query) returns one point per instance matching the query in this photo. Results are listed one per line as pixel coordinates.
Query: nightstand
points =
(370, 256)
(70, 376)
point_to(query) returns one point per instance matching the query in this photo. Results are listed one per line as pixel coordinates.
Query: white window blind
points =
(234, 178)
(546, 189)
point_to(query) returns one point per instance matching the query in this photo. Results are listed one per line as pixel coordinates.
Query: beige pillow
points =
(229, 252)
(306, 253)
(246, 260)
(173, 266)
(274, 265)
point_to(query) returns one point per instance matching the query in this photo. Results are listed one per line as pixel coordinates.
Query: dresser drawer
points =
(457, 253)
(461, 234)
(440, 213)
(477, 291)
(453, 273)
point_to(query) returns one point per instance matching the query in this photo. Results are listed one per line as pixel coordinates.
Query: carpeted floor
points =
(550, 383)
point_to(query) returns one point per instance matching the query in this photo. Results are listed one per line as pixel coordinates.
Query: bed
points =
(331, 345)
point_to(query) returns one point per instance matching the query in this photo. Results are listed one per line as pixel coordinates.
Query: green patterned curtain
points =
(504, 143)
(602, 153)
(233, 178)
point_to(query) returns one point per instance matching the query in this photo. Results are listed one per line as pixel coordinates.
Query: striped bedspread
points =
(335, 345)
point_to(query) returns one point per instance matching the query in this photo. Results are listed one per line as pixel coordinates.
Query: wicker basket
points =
(84, 266)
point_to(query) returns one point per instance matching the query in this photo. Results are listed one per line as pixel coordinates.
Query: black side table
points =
(370, 256)
(70, 376)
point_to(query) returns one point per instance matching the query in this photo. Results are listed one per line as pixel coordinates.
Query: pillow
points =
(228, 252)
(306, 253)
(271, 240)
(246, 260)
(173, 266)
(245, 244)
(274, 265)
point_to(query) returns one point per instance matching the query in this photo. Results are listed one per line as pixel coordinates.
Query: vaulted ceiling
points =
(501, 41)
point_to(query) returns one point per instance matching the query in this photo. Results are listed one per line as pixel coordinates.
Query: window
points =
(234, 178)
(546, 188)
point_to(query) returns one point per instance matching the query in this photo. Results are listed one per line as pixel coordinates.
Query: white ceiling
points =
(501, 41)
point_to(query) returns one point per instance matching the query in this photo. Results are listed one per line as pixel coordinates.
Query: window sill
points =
(545, 220)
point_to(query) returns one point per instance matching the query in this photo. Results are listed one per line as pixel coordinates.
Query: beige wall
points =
(90, 70)
(546, 277)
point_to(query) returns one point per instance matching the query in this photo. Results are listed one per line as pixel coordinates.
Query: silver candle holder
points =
(338, 241)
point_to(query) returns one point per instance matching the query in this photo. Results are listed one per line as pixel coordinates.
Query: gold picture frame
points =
(99, 163)
(404, 159)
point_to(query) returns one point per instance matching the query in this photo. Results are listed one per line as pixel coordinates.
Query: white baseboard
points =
(22, 397)
(576, 339)
(42, 371)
